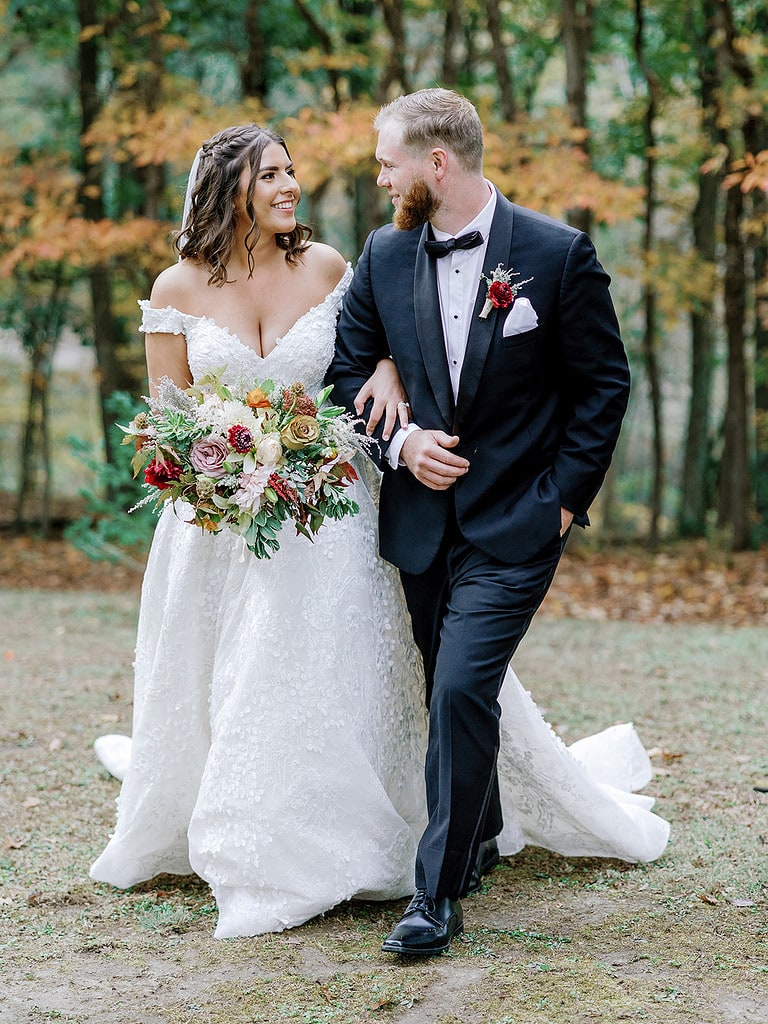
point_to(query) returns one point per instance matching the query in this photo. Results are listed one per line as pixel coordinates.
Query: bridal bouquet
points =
(247, 463)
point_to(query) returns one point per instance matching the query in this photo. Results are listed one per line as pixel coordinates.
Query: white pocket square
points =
(521, 318)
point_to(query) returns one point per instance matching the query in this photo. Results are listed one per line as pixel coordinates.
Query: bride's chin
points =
(288, 224)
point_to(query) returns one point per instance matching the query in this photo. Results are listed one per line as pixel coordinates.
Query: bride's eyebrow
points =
(288, 167)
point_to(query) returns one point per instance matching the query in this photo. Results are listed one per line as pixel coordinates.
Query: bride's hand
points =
(389, 399)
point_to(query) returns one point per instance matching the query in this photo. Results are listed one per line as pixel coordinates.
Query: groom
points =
(501, 326)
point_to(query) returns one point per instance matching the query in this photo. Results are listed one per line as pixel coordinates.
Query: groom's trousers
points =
(469, 613)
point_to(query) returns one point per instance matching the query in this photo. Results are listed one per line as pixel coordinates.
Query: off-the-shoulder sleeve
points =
(161, 321)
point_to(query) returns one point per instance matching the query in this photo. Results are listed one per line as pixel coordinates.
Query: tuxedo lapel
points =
(429, 331)
(481, 331)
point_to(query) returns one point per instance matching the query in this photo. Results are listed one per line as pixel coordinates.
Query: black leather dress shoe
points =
(487, 859)
(427, 926)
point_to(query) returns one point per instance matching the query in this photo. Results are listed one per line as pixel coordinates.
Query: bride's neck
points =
(265, 253)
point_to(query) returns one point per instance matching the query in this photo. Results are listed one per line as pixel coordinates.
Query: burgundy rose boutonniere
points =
(501, 290)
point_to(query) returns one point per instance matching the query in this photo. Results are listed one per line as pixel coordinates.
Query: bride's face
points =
(275, 193)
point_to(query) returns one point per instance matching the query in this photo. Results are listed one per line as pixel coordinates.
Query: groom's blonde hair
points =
(437, 118)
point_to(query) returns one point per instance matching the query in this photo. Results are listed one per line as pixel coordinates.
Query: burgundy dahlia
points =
(240, 439)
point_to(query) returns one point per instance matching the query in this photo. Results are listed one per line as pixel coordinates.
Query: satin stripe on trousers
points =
(469, 614)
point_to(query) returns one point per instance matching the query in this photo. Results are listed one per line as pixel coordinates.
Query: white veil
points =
(191, 180)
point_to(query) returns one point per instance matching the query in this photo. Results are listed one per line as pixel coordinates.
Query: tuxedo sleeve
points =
(361, 342)
(594, 378)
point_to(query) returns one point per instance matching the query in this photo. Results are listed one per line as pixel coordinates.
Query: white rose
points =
(269, 451)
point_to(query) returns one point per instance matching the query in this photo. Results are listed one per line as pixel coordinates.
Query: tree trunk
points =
(152, 177)
(253, 76)
(41, 332)
(450, 38)
(366, 212)
(360, 19)
(737, 490)
(734, 506)
(696, 490)
(499, 56)
(326, 45)
(106, 333)
(759, 215)
(649, 344)
(755, 134)
(577, 25)
(395, 72)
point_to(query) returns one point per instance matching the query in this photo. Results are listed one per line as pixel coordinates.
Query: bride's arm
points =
(389, 399)
(167, 357)
(166, 353)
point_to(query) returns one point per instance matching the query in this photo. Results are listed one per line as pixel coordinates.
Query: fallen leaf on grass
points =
(56, 744)
(382, 1004)
(326, 994)
(742, 903)
(707, 897)
(32, 801)
(667, 756)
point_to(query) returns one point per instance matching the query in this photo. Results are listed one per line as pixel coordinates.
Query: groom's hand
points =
(426, 453)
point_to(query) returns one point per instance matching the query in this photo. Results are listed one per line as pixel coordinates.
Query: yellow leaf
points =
(89, 32)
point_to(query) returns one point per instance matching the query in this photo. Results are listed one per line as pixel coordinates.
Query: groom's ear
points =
(439, 159)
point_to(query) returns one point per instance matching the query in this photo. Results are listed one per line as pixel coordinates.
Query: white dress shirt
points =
(458, 276)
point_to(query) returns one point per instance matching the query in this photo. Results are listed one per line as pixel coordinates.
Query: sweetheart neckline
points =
(231, 334)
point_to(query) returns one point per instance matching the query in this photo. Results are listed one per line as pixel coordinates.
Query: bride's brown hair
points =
(209, 234)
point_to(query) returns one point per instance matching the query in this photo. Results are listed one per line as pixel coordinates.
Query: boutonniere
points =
(501, 290)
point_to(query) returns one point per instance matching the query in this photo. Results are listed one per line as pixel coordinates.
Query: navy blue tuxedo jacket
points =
(538, 413)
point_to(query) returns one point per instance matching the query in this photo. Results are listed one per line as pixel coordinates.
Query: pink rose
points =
(208, 455)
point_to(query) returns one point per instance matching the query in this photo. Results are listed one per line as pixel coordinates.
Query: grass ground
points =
(550, 939)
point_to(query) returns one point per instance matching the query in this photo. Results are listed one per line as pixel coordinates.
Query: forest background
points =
(641, 122)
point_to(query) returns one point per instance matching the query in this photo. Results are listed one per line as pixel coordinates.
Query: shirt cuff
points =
(396, 445)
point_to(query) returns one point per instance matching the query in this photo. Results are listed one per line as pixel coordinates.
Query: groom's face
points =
(405, 179)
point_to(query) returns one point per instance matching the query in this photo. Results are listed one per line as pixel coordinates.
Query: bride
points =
(279, 725)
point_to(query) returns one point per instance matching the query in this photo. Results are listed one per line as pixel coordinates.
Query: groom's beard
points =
(418, 204)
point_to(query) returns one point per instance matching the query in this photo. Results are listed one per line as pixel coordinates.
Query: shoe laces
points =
(421, 901)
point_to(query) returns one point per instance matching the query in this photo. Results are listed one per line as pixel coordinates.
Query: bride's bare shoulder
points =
(325, 264)
(179, 286)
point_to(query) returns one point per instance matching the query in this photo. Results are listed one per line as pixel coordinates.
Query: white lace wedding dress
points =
(278, 729)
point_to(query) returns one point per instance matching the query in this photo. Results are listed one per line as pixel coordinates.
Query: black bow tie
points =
(438, 249)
